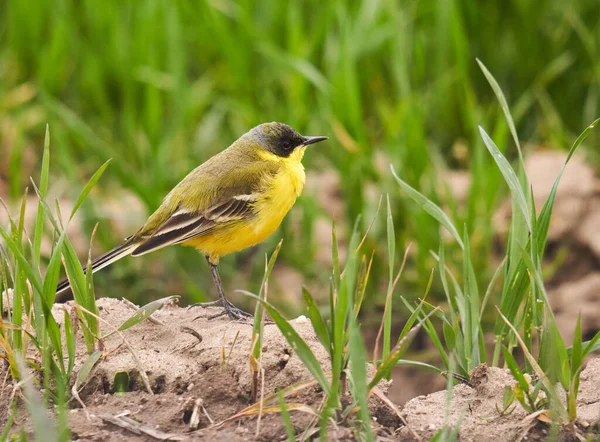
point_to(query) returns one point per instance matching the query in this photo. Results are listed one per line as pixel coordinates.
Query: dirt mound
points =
(473, 409)
(198, 371)
(211, 365)
(198, 374)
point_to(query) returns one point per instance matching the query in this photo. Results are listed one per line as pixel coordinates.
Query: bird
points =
(234, 200)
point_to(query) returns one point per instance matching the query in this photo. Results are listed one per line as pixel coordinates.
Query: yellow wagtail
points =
(234, 200)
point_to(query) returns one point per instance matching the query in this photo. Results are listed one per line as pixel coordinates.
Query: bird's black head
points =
(281, 139)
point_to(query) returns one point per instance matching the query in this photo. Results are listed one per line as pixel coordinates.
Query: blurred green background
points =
(160, 86)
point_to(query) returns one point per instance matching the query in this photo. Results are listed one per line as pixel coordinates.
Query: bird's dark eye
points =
(287, 145)
(283, 140)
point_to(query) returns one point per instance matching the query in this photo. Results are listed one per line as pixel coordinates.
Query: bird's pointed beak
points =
(313, 140)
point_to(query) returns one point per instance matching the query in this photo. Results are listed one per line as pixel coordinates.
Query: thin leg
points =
(228, 308)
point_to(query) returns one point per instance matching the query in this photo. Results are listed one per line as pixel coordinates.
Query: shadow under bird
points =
(234, 200)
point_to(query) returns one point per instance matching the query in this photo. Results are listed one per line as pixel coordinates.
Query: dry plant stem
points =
(387, 303)
(377, 392)
(210, 419)
(262, 395)
(129, 424)
(223, 348)
(195, 419)
(75, 394)
(17, 387)
(129, 347)
(192, 332)
(530, 420)
(312, 424)
(232, 346)
(255, 408)
(4, 384)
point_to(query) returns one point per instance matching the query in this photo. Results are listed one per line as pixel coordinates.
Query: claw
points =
(229, 309)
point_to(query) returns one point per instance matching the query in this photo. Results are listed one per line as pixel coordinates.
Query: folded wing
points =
(184, 225)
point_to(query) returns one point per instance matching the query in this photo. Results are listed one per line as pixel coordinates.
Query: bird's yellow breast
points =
(277, 196)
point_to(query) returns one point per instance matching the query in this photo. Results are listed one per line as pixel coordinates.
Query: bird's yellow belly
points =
(269, 211)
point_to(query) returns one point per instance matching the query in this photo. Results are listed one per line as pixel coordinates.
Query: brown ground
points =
(183, 372)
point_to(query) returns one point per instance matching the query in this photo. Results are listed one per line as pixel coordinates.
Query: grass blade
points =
(70, 341)
(144, 313)
(509, 176)
(549, 387)
(504, 105)
(546, 213)
(358, 375)
(397, 351)
(387, 319)
(430, 207)
(91, 183)
(285, 417)
(298, 344)
(39, 219)
(317, 321)
(43, 427)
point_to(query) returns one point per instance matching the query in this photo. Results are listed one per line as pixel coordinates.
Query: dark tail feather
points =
(101, 262)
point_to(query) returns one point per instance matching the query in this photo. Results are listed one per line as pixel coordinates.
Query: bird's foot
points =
(229, 309)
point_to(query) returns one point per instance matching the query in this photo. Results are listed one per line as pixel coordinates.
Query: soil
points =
(189, 360)
(475, 408)
(209, 371)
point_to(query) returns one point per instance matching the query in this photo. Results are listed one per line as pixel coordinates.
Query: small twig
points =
(123, 413)
(75, 395)
(210, 419)
(459, 377)
(223, 349)
(232, 346)
(529, 422)
(310, 428)
(390, 404)
(192, 332)
(195, 419)
(262, 396)
(4, 382)
(131, 425)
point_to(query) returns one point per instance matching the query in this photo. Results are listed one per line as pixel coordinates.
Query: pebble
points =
(301, 319)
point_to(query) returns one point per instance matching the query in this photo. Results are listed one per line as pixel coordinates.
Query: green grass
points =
(160, 87)
(32, 342)
(525, 318)
(339, 332)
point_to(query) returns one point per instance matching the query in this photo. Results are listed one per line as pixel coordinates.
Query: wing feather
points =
(183, 226)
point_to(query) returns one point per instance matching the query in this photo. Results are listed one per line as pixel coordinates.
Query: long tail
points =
(102, 261)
